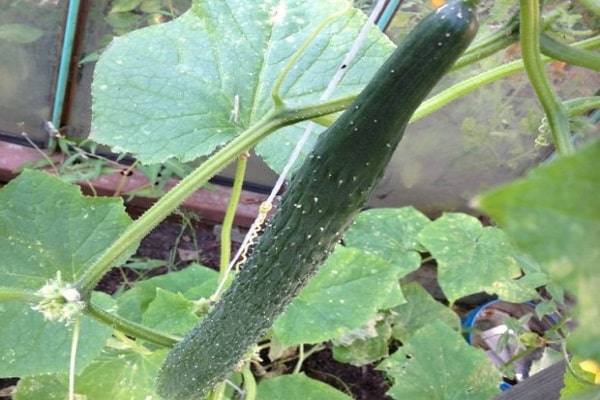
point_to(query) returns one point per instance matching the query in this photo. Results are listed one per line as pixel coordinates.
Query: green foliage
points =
(352, 286)
(19, 33)
(31, 345)
(115, 374)
(436, 363)
(419, 311)
(297, 387)
(48, 228)
(178, 90)
(188, 76)
(554, 214)
(461, 245)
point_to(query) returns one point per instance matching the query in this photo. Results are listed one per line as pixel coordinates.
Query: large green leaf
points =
(554, 214)
(114, 375)
(436, 363)
(47, 226)
(391, 233)
(297, 387)
(345, 294)
(472, 258)
(169, 90)
(30, 345)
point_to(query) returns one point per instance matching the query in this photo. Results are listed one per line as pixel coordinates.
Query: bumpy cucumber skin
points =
(332, 184)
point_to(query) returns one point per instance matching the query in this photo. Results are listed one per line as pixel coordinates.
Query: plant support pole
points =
(64, 66)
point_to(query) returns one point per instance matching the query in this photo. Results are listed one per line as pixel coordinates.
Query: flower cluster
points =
(60, 301)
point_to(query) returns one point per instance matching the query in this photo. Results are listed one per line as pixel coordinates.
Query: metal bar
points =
(64, 66)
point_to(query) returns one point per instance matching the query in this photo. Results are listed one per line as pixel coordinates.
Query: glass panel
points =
(30, 37)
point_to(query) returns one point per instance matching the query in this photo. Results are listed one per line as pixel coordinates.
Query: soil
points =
(176, 242)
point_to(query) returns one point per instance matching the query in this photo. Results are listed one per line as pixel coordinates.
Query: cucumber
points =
(329, 188)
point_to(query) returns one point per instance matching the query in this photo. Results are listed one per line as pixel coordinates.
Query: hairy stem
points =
(460, 89)
(9, 293)
(500, 39)
(556, 112)
(569, 54)
(129, 327)
(277, 118)
(234, 199)
(73, 357)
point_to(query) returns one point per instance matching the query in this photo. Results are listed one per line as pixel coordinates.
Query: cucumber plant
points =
(335, 180)
(96, 234)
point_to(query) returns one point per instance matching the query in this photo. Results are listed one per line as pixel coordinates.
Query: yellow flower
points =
(437, 3)
(593, 367)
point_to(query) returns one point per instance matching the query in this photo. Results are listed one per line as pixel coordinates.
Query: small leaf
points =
(419, 310)
(170, 312)
(297, 387)
(365, 350)
(19, 33)
(344, 295)
(470, 258)
(391, 234)
(437, 363)
(194, 282)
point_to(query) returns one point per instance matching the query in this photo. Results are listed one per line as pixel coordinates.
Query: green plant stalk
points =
(73, 358)
(500, 39)
(582, 105)
(555, 111)
(234, 199)
(509, 34)
(569, 54)
(129, 327)
(460, 89)
(218, 393)
(297, 54)
(277, 118)
(9, 293)
(249, 383)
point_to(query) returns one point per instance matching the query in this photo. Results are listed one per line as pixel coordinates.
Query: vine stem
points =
(275, 119)
(234, 199)
(129, 327)
(249, 383)
(556, 112)
(468, 85)
(9, 293)
(73, 358)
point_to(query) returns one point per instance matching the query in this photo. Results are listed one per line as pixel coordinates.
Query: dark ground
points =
(179, 245)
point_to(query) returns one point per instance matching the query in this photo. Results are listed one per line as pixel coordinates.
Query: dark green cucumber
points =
(332, 184)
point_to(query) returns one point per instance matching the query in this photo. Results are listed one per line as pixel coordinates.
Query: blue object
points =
(387, 14)
(491, 336)
(64, 65)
